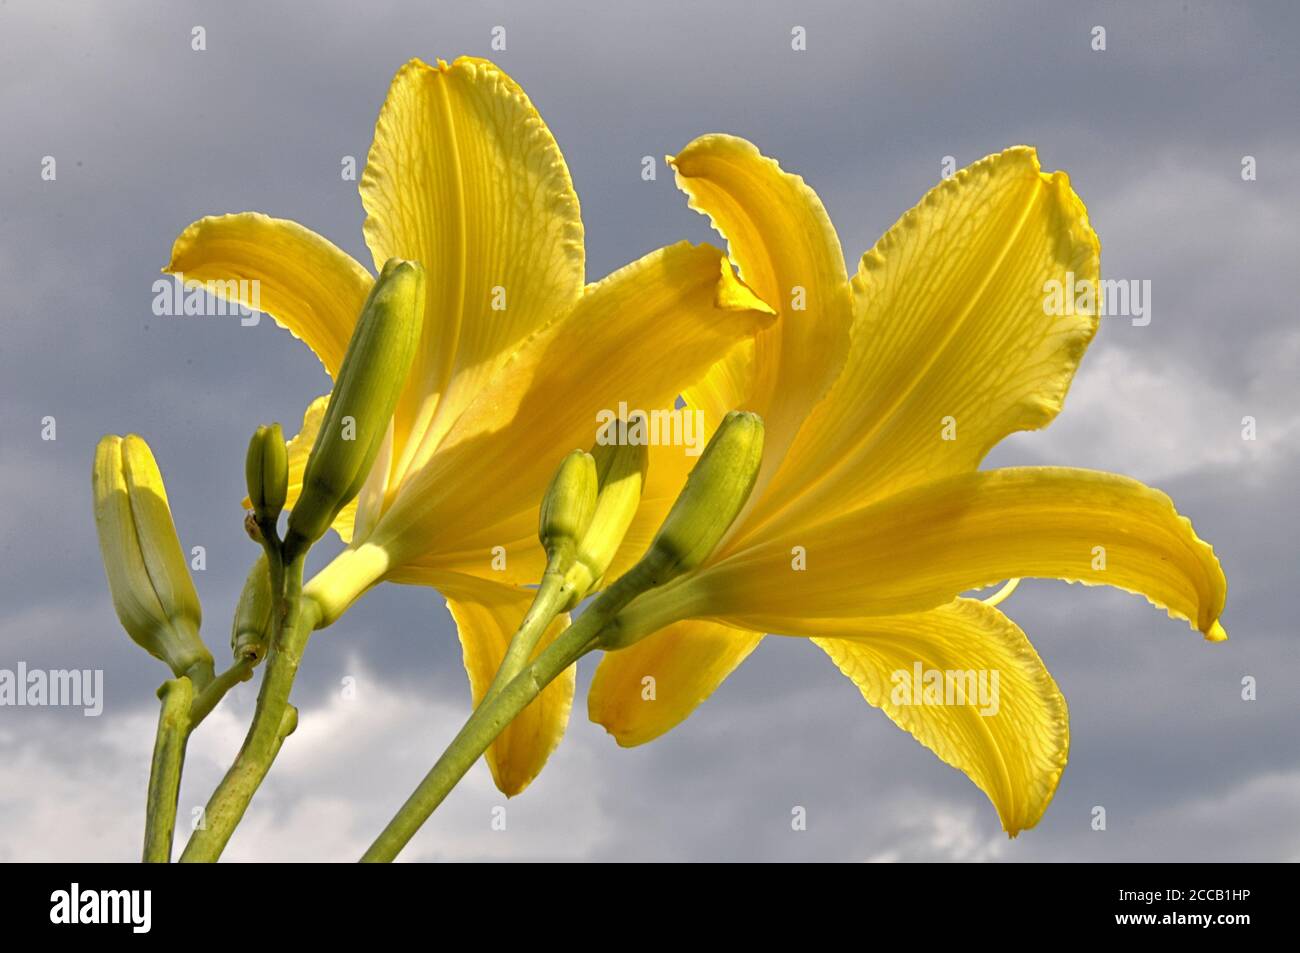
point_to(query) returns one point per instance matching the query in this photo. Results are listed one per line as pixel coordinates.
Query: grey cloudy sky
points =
(149, 135)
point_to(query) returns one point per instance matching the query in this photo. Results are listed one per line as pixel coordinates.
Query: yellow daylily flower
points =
(516, 356)
(883, 393)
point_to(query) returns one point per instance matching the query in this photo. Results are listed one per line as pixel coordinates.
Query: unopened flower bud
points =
(267, 469)
(250, 632)
(365, 395)
(568, 504)
(715, 493)
(148, 577)
(621, 472)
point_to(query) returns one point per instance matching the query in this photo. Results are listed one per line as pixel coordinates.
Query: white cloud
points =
(338, 780)
(1154, 418)
(75, 792)
(1168, 399)
(1241, 824)
(938, 832)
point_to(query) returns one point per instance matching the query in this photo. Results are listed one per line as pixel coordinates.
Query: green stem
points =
(496, 711)
(165, 774)
(275, 567)
(294, 619)
(200, 673)
(551, 599)
(182, 711)
(208, 698)
(482, 728)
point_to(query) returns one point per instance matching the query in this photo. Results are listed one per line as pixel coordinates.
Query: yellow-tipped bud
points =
(714, 495)
(267, 470)
(365, 395)
(568, 504)
(621, 472)
(250, 633)
(147, 575)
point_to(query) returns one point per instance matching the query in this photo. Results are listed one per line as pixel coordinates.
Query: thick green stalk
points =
(551, 599)
(200, 674)
(216, 690)
(165, 775)
(498, 709)
(275, 567)
(182, 711)
(294, 620)
(482, 728)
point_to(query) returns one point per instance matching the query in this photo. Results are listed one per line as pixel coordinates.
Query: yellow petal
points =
(523, 556)
(728, 383)
(486, 616)
(637, 337)
(953, 347)
(726, 386)
(465, 178)
(643, 691)
(921, 548)
(780, 236)
(521, 560)
(306, 283)
(517, 558)
(998, 718)
(299, 449)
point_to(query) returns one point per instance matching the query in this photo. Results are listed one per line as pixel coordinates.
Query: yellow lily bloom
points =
(516, 357)
(882, 394)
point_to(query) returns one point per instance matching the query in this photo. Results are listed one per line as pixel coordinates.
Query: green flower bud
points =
(621, 472)
(568, 504)
(147, 575)
(250, 633)
(267, 469)
(365, 395)
(715, 493)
